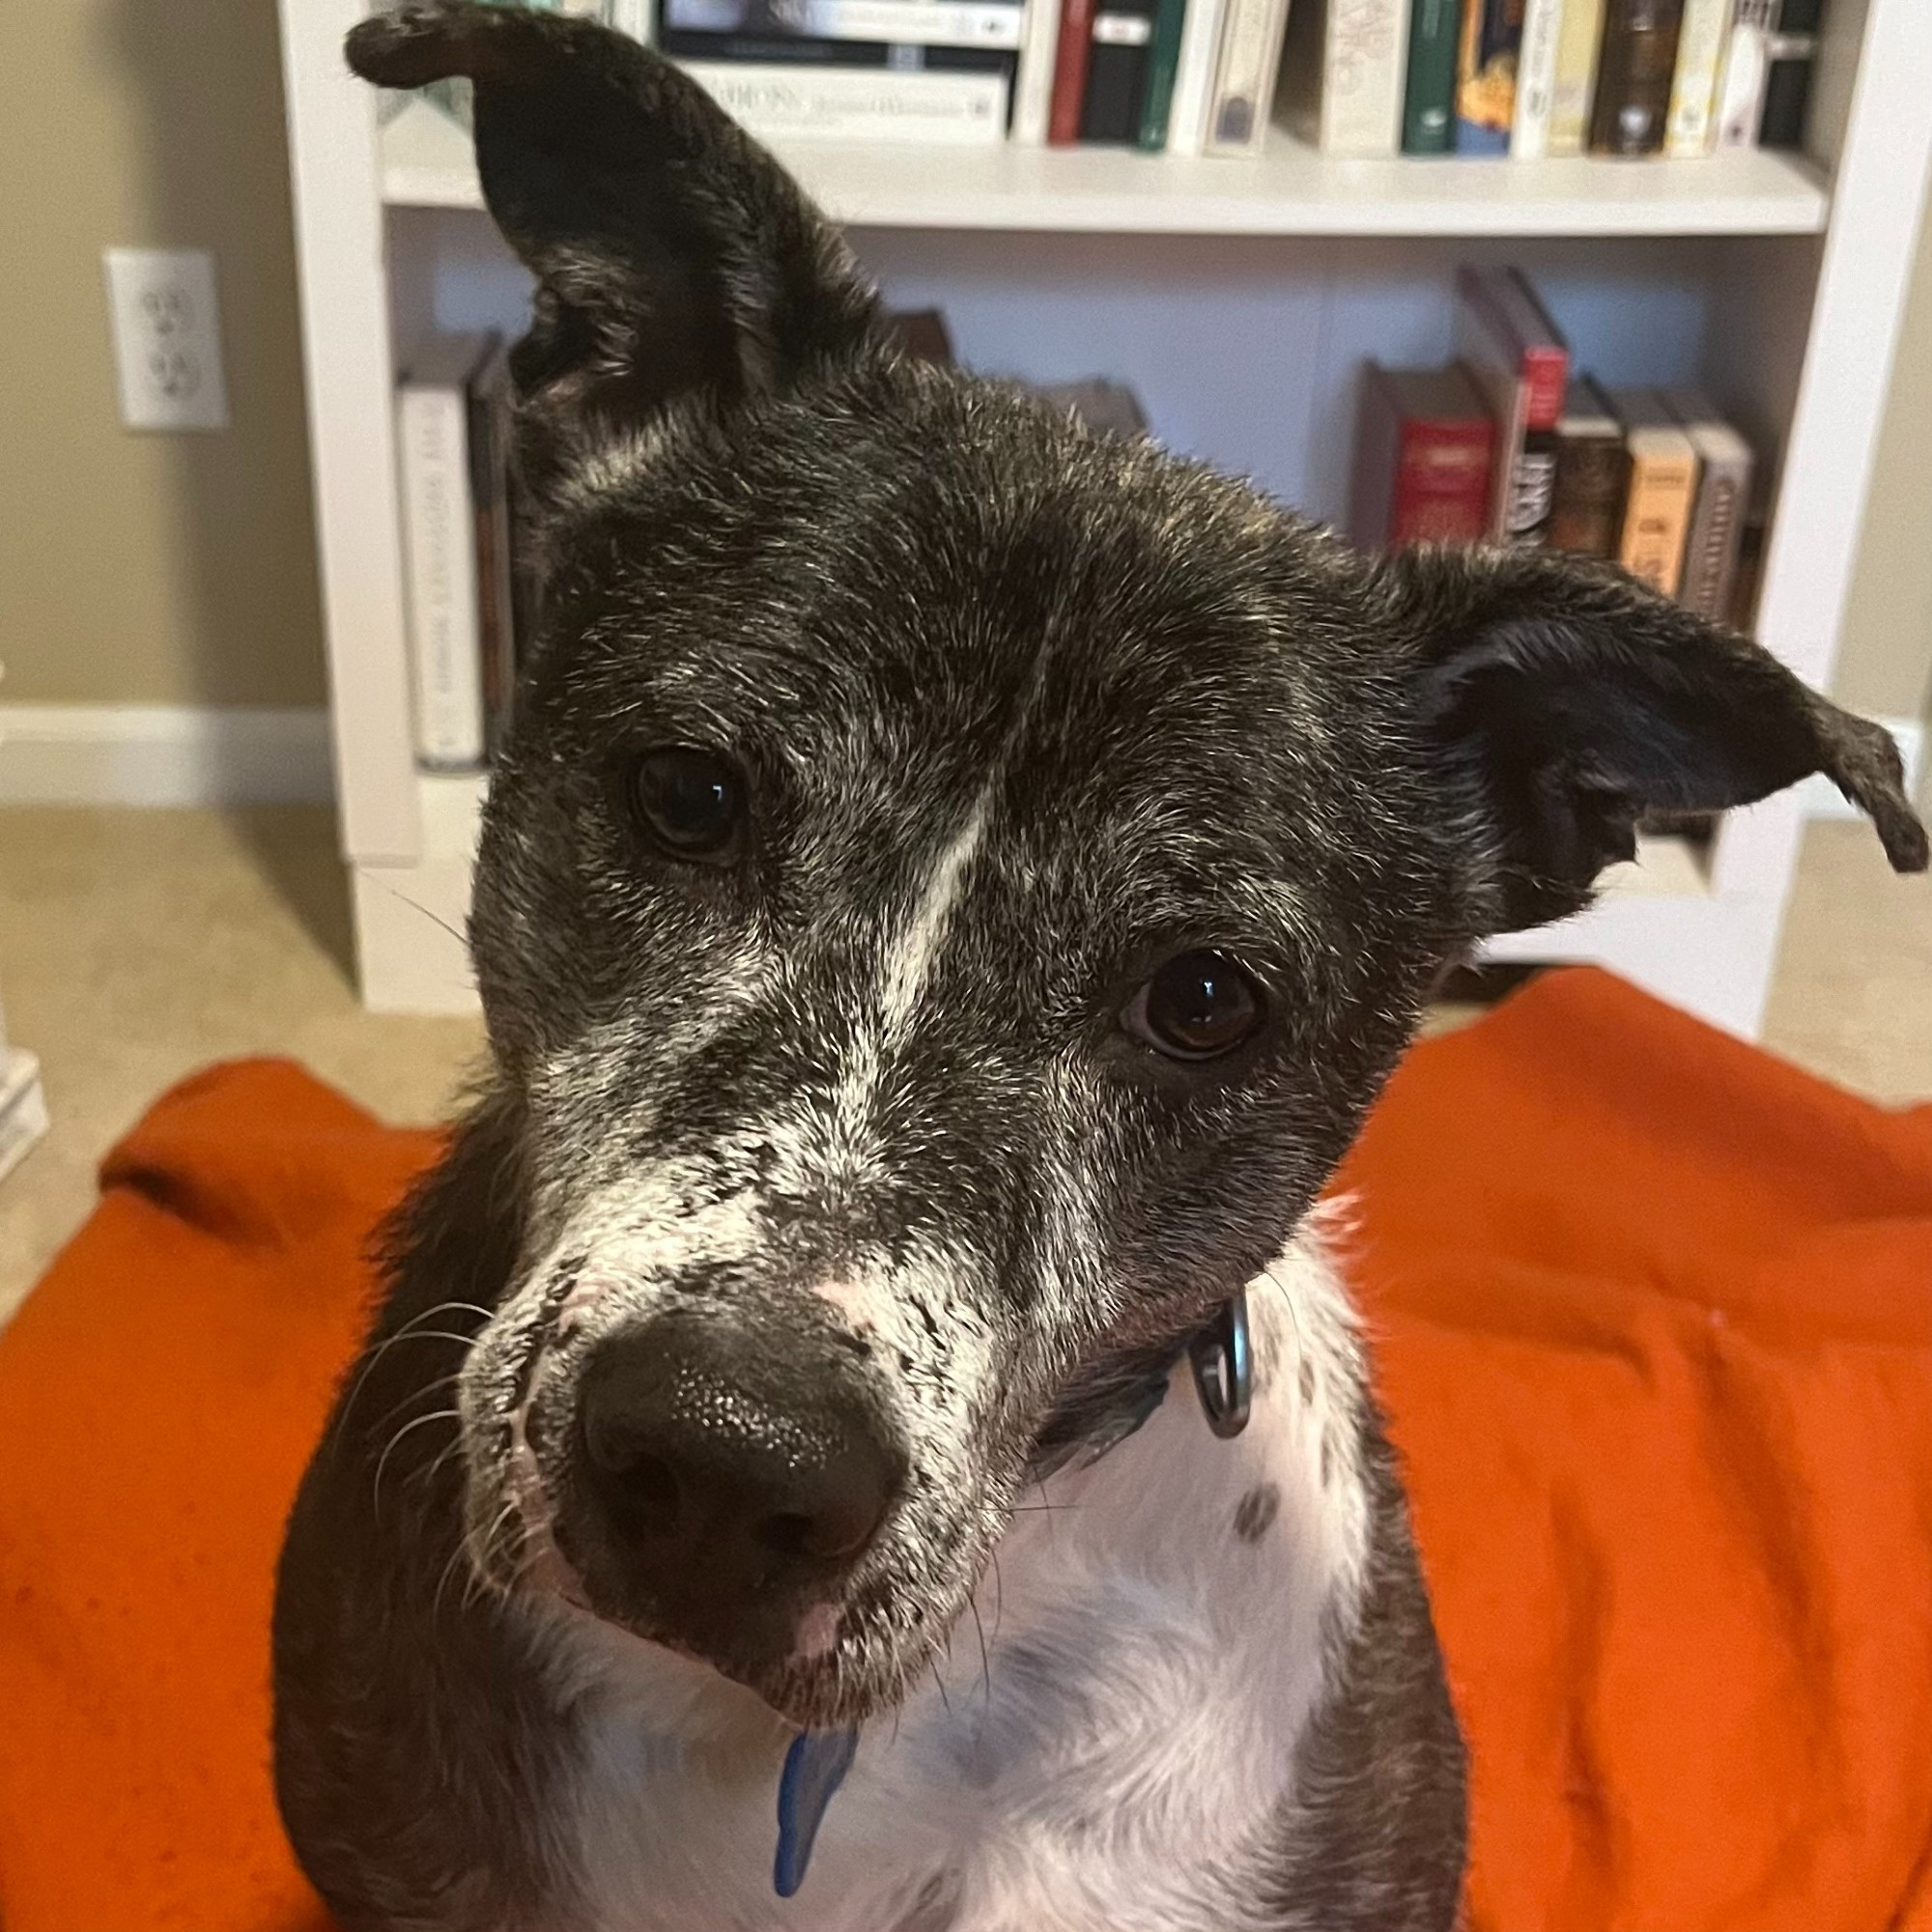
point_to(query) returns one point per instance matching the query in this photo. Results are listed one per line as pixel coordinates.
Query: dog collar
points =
(815, 1768)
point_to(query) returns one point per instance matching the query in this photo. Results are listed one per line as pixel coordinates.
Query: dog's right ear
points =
(673, 255)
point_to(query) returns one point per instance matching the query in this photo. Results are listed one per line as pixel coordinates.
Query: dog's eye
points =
(1197, 1005)
(689, 803)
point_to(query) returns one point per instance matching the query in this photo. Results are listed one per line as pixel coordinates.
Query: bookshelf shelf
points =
(1290, 190)
(1238, 299)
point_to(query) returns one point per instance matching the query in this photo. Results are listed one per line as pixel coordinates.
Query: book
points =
(1108, 408)
(1194, 77)
(938, 71)
(1690, 122)
(439, 549)
(1244, 76)
(805, 98)
(1536, 79)
(1746, 66)
(1344, 65)
(1486, 75)
(922, 332)
(1163, 70)
(1635, 71)
(1520, 362)
(1588, 498)
(1425, 443)
(1659, 485)
(1790, 57)
(1711, 544)
(491, 405)
(1033, 72)
(1429, 89)
(1118, 71)
(1069, 71)
(1578, 39)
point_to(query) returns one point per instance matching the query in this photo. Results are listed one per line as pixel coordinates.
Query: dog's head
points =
(953, 886)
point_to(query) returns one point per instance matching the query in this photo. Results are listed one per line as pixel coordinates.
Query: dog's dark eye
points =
(689, 803)
(1197, 1005)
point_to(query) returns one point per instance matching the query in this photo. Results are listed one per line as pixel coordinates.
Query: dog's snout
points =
(745, 1464)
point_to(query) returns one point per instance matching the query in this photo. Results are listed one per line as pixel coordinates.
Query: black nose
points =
(751, 1466)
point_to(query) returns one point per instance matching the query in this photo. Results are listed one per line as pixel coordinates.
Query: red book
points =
(1069, 71)
(1423, 454)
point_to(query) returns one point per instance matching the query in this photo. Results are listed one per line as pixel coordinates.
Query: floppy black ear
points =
(1568, 701)
(672, 254)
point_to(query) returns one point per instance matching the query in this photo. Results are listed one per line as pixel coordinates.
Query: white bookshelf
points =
(1238, 297)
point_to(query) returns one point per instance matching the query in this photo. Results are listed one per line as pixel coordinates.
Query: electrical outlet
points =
(167, 338)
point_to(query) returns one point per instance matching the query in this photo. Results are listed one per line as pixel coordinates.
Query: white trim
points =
(1819, 798)
(162, 754)
(23, 1107)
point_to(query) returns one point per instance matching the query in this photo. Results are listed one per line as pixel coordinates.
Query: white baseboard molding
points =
(162, 754)
(1822, 799)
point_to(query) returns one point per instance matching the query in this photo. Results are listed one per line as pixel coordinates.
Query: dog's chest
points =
(1120, 1755)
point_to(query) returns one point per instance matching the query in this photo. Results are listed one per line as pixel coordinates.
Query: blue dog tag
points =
(815, 1768)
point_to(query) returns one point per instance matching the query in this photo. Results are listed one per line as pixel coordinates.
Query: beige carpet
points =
(136, 946)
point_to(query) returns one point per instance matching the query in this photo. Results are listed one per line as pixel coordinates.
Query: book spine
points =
(1787, 90)
(634, 17)
(440, 554)
(1633, 77)
(1691, 127)
(490, 408)
(1032, 79)
(1577, 42)
(1429, 96)
(1747, 64)
(1245, 75)
(1716, 528)
(1163, 69)
(1117, 75)
(1194, 79)
(1532, 491)
(940, 106)
(1486, 75)
(1441, 484)
(1069, 71)
(1536, 79)
(1657, 511)
(1362, 71)
(1586, 511)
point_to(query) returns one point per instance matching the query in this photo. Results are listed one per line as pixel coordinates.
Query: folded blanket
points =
(1654, 1324)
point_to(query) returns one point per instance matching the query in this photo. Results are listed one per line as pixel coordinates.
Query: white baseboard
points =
(1822, 799)
(162, 754)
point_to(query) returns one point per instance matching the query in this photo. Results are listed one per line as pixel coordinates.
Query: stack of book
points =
(1511, 445)
(1523, 77)
(1536, 77)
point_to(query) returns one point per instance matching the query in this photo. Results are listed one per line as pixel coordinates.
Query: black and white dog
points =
(954, 886)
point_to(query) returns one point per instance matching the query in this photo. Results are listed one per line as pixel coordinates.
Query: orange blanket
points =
(1655, 1326)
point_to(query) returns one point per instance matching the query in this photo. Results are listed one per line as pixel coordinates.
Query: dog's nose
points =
(756, 1467)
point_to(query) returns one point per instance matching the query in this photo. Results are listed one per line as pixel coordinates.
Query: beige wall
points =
(179, 568)
(141, 568)
(1885, 660)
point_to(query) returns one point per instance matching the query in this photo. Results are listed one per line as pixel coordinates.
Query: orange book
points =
(1662, 486)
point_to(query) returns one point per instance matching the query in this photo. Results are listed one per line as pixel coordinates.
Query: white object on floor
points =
(23, 1106)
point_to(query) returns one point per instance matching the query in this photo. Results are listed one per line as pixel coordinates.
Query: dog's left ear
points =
(1566, 701)
(672, 254)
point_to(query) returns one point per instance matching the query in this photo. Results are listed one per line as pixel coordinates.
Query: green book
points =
(1163, 62)
(1429, 98)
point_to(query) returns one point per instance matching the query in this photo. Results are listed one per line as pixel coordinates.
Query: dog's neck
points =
(1161, 1609)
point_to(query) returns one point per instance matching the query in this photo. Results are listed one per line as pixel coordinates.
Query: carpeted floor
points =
(139, 944)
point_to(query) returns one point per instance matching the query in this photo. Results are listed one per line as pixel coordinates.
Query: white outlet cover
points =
(167, 338)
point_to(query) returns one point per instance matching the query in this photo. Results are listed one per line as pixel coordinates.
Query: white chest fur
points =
(1153, 1642)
